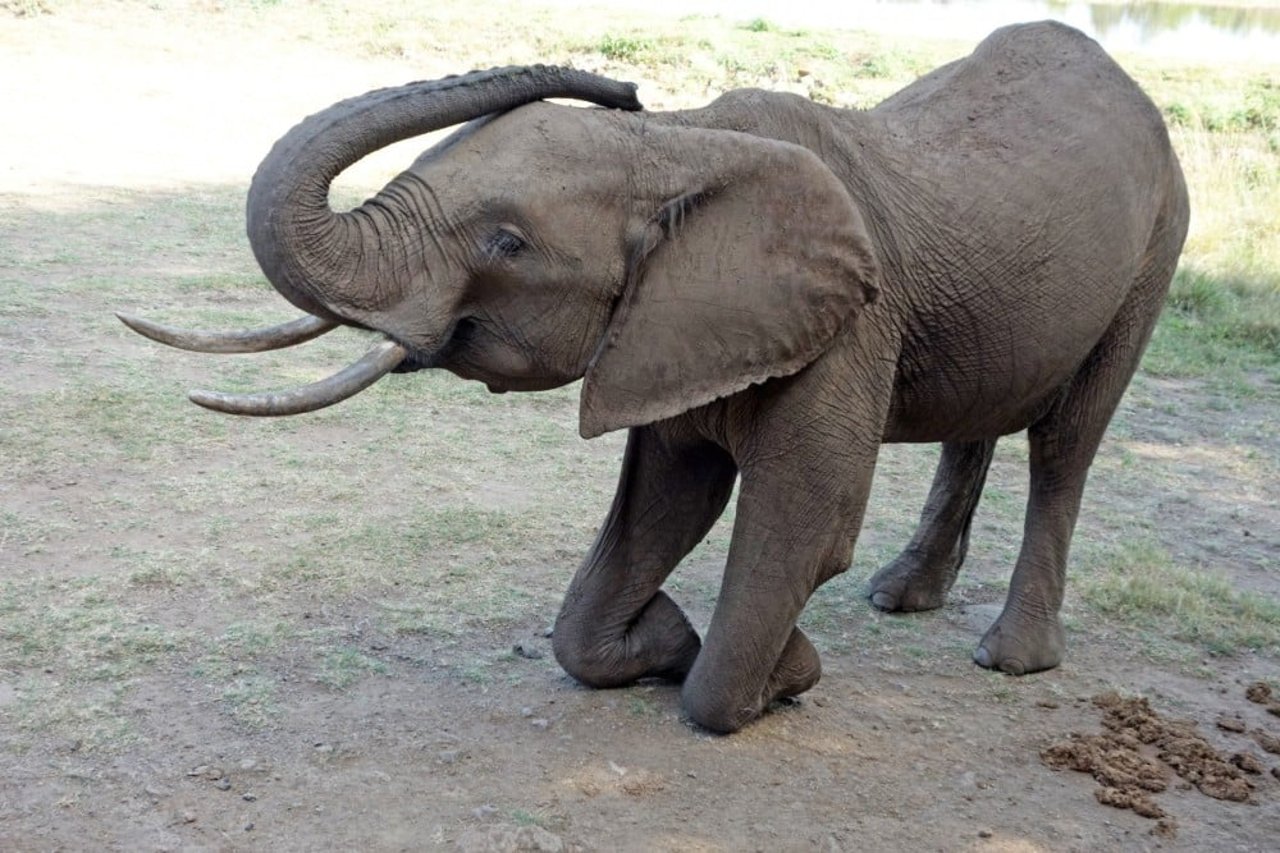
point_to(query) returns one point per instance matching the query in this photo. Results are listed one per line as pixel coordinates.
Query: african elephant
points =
(764, 288)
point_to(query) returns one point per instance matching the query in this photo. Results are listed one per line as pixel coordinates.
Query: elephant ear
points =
(751, 266)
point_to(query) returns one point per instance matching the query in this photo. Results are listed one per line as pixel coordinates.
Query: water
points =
(1166, 29)
(1206, 33)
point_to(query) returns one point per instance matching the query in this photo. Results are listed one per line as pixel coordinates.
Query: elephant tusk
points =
(371, 367)
(249, 340)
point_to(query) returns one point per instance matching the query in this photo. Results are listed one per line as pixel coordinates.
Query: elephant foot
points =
(1018, 645)
(726, 710)
(913, 581)
(658, 643)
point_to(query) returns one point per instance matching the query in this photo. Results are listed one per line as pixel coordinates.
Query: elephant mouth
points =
(418, 359)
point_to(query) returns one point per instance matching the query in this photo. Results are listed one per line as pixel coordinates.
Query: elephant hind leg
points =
(920, 577)
(1028, 635)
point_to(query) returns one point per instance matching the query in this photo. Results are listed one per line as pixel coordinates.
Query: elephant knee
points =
(723, 699)
(585, 660)
(659, 642)
(717, 712)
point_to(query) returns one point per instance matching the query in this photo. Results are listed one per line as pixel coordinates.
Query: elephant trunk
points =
(312, 254)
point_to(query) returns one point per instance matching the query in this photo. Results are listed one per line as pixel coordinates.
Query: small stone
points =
(1047, 704)
(448, 756)
(188, 817)
(526, 711)
(1231, 724)
(527, 652)
(248, 764)
(540, 723)
(249, 797)
(985, 833)
(248, 827)
(324, 747)
(486, 810)
(223, 784)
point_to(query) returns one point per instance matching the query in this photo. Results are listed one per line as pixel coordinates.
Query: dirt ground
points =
(126, 148)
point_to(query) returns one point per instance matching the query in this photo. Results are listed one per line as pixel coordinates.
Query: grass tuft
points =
(343, 666)
(252, 702)
(624, 48)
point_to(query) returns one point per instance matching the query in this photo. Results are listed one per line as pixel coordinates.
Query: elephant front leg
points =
(616, 625)
(798, 515)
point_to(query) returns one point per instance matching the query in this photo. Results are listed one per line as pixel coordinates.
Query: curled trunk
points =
(309, 252)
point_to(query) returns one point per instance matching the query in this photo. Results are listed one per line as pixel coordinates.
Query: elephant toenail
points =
(883, 601)
(1012, 666)
(982, 657)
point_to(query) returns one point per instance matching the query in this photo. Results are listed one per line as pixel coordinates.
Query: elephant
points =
(762, 291)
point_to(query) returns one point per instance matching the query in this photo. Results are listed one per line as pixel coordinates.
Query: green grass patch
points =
(252, 701)
(343, 666)
(81, 630)
(89, 719)
(1143, 588)
(625, 48)
(1223, 314)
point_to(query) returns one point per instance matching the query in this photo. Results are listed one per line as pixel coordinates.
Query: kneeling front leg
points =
(616, 625)
(798, 515)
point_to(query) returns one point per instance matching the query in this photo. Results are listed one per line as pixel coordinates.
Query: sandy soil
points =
(903, 745)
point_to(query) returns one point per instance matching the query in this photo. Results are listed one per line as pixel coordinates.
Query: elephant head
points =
(668, 264)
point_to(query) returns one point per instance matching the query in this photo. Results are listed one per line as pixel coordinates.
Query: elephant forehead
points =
(535, 140)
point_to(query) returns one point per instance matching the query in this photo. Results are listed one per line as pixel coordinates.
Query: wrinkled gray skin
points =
(767, 288)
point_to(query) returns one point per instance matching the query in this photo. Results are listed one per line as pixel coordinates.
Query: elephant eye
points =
(504, 244)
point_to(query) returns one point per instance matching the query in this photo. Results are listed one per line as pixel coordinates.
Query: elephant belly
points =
(963, 376)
